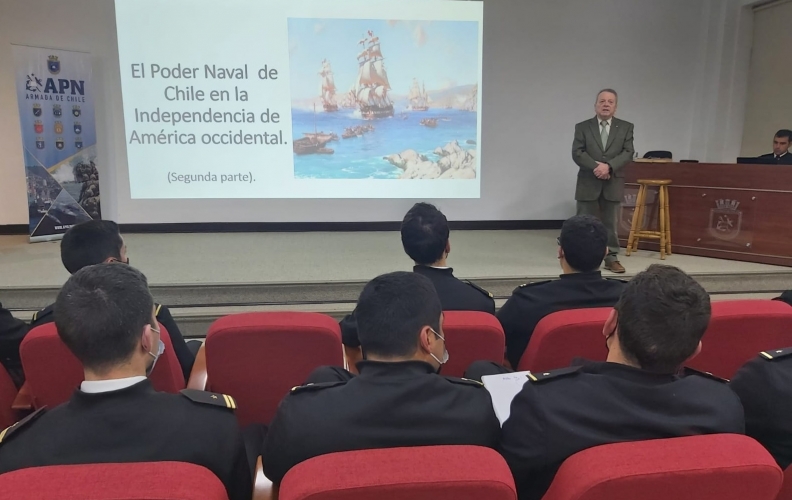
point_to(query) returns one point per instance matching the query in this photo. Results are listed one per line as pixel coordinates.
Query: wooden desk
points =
(728, 211)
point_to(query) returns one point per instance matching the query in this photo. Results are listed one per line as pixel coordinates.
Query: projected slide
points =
(301, 98)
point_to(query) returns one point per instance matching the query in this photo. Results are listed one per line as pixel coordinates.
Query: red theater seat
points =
(258, 357)
(713, 467)
(128, 481)
(420, 473)
(564, 335)
(8, 393)
(52, 373)
(471, 336)
(786, 489)
(739, 330)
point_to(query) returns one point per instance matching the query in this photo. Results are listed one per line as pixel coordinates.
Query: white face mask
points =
(160, 350)
(445, 349)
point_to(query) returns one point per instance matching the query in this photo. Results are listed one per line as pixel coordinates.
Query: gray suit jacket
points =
(587, 150)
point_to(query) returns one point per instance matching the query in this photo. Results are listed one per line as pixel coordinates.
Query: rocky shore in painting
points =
(454, 162)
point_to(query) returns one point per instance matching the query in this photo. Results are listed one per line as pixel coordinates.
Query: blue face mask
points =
(160, 350)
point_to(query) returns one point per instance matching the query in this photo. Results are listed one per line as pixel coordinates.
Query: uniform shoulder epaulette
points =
(488, 294)
(534, 283)
(315, 387)
(210, 398)
(617, 279)
(552, 374)
(463, 381)
(42, 313)
(157, 310)
(776, 353)
(6, 433)
(692, 371)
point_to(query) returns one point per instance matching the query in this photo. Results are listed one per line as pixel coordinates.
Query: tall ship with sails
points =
(327, 88)
(372, 85)
(419, 99)
(349, 99)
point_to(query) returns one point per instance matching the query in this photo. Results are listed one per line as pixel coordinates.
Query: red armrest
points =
(199, 378)
(23, 400)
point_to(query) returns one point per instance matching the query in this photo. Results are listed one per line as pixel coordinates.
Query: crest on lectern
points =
(725, 219)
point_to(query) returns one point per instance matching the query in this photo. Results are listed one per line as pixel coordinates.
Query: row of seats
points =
(710, 467)
(258, 357)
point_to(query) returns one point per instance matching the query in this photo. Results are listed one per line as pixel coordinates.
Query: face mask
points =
(160, 350)
(445, 350)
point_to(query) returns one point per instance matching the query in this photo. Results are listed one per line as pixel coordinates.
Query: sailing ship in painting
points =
(327, 91)
(349, 100)
(372, 85)
(314, 142)
(419, 99)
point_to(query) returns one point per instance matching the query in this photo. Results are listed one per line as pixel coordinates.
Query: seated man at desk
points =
(780, 154)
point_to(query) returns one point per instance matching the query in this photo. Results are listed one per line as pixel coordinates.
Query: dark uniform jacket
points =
(136, 424)
(587, 150)
(388, 405)
(186, 358)
(569, 410)
(532, 302)
(770, 158)
(764, 385)
(455, 295)
(12, 331)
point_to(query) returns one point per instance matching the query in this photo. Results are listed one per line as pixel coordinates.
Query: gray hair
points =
(607, 90)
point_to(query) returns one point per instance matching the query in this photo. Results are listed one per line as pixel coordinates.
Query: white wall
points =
(680, 67)
(769, 107)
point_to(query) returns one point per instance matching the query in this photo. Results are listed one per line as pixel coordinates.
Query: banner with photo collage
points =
(56, 114)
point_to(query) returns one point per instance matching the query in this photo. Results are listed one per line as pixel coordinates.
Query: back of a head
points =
(663, 313)
(584, 240)
(101, 312)
(392, 310)
(90, 243)
(424, 233)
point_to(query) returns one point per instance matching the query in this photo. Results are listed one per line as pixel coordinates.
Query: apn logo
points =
(33, 83)
(63, 86)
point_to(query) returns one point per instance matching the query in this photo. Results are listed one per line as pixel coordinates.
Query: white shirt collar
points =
(98, 386)
(609, 121)
(785, 153)
(438, 267)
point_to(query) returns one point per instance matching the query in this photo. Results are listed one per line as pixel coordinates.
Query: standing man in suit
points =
(603, 145)
(780, 154)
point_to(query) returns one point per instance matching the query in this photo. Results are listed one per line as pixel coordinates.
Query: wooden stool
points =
(637, 231)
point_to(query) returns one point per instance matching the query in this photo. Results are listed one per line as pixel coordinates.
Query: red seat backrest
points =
(8, 392)
(739, 330)
(711, 467)
(52, 372)
(419, 473)
(127, 481)
(565, 335)
(786, 488)
(471, 336)
(258, 357)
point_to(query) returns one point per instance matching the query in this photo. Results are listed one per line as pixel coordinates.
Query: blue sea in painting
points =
(362, 157)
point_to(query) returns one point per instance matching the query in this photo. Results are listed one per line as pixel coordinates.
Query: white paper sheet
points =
(503, 388)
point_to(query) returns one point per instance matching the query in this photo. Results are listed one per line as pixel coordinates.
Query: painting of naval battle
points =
(384, 99)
